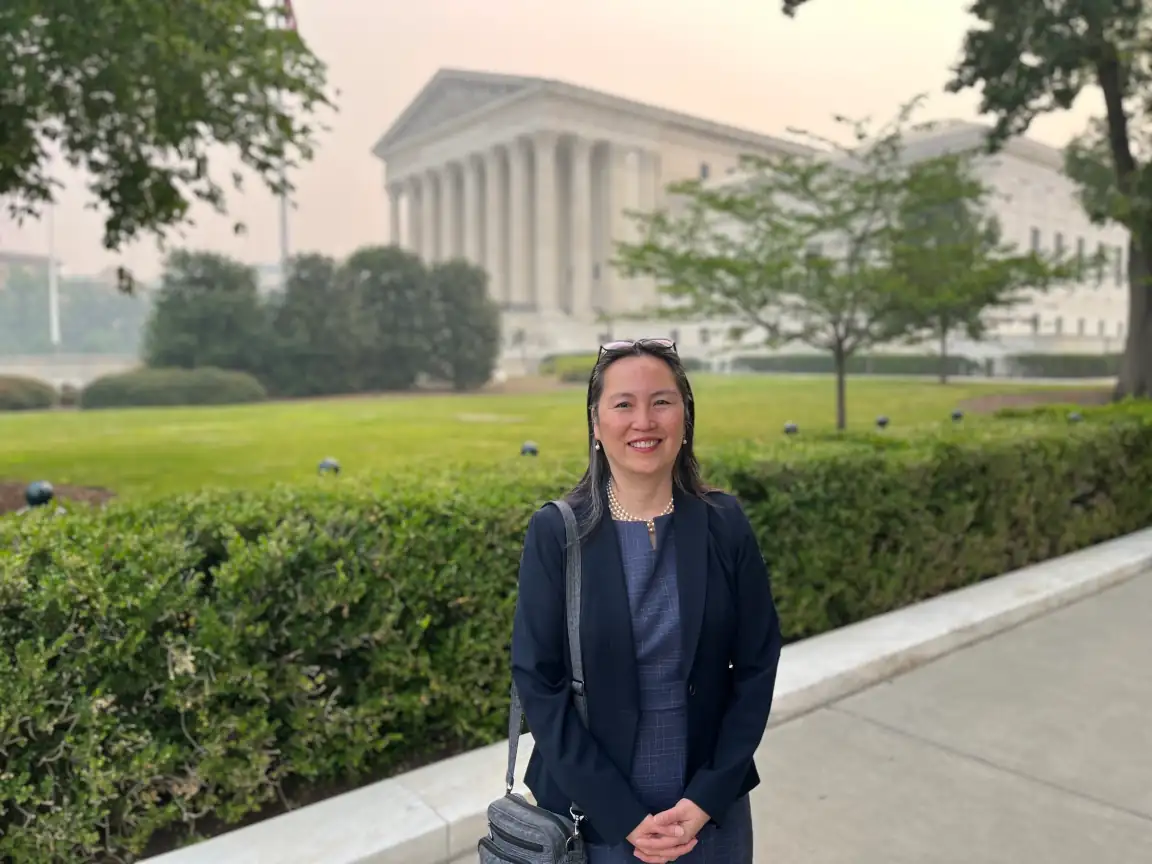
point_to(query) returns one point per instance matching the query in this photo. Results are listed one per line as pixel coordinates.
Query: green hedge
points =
(18, 393)
(862, 364)
(1065, 365)
(161, 387)
(198, 654)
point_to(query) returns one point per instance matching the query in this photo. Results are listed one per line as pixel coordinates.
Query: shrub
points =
(219, 649)
(152, 387)
(18, 393)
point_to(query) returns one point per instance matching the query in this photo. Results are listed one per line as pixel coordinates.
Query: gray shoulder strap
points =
(572, 584)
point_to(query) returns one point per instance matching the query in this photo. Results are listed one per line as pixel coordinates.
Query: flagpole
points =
(53, 281)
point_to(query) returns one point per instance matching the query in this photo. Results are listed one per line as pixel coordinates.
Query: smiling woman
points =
(679, 632)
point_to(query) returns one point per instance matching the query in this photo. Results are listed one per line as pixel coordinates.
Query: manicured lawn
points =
(149, 452)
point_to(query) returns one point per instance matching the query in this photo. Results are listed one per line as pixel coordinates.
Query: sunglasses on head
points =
(625, 344)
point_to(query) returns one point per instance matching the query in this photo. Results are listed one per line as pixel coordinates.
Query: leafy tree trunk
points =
(944, 354)
(841, 361)
(1135, 377)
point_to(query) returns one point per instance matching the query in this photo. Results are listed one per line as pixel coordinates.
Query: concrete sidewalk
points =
(1032, 747)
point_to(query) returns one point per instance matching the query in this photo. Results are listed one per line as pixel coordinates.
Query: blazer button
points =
(691, 689)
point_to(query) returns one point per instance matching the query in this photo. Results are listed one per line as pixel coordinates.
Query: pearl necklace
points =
(622, 515)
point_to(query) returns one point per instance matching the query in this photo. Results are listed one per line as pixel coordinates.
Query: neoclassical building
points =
(532, 179)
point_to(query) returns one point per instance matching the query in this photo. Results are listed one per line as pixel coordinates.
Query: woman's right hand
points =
(658, 844)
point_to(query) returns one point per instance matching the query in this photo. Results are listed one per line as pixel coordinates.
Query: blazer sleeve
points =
(539, 652)
(756, 656)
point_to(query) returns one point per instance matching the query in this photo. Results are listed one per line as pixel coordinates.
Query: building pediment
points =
(450, 95)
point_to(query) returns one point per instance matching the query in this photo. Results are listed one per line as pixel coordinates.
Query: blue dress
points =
(658, 762)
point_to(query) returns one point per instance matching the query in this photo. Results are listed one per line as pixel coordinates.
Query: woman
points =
(679, 632)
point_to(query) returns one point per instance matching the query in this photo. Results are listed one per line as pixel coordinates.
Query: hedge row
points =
(860, 364)
(166, 387)
(19, 393)
(211, 653)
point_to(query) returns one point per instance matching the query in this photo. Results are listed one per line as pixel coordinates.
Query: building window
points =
(1080, 259)
(1102, 328)
(704, 171)
(1035, 323)
(1101, 259)
(1119, 328)
(1035, 239)
(1058, 325)
(1080, 327)
(703, 335)
(674, 335)
(1119, 266)
(1059, 244)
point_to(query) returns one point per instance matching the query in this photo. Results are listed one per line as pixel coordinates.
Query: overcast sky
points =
(735, 61)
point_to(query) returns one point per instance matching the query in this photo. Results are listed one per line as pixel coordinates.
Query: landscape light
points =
(329, 466)
(39, 493)
(529, 448)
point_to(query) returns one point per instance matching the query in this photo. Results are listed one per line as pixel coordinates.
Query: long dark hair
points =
(589, 493)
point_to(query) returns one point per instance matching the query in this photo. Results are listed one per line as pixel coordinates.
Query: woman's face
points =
(640, 417)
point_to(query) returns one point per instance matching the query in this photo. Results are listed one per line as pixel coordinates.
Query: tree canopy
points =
(830, 249)
(1032, 57)
(136, 94)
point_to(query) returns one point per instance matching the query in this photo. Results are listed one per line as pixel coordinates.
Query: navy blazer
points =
(732, 642)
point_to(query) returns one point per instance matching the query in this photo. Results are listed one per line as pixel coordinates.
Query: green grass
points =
(149, 452)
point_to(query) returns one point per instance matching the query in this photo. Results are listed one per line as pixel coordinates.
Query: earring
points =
(685, 440)
(597, 445)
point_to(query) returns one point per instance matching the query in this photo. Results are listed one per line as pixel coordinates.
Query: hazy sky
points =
(735, 61)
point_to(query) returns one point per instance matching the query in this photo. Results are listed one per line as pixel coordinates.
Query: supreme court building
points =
(531, 179)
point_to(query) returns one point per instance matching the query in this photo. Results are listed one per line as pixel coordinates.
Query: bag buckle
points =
(577, 817)
(577, 687)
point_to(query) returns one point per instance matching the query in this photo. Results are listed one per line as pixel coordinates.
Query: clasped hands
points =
(666, 836)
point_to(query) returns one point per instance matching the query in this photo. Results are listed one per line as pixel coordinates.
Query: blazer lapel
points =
(604, 568)
(690, 522)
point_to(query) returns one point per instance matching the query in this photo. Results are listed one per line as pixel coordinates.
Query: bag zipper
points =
(501, 854)
(509, 838)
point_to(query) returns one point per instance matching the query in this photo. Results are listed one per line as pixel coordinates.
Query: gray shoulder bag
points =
(520, 832)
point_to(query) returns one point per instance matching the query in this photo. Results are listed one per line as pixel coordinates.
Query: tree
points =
(312, 323)
(1031, 57)
(467, 346)
(395, 316)
(207, 312)
(137, 93)
(950, 254)
(800, 247)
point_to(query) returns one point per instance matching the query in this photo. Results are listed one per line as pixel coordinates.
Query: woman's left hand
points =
(686, 814)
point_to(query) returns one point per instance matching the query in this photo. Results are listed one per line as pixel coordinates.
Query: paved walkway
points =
(1032, 747)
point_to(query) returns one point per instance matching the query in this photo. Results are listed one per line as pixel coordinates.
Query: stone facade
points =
(532, 179)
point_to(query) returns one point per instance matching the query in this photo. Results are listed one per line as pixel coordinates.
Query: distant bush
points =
(158, 387)
(18, 393)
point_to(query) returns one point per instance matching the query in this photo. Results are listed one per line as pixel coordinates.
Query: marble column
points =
(415, 242)
(580, 240)
(394, 192)
(430, 216)
(519, 228)
(648, 200)
(495, 236)
(473, 212)
(449, 214)
(547, 288)
(620, 183)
